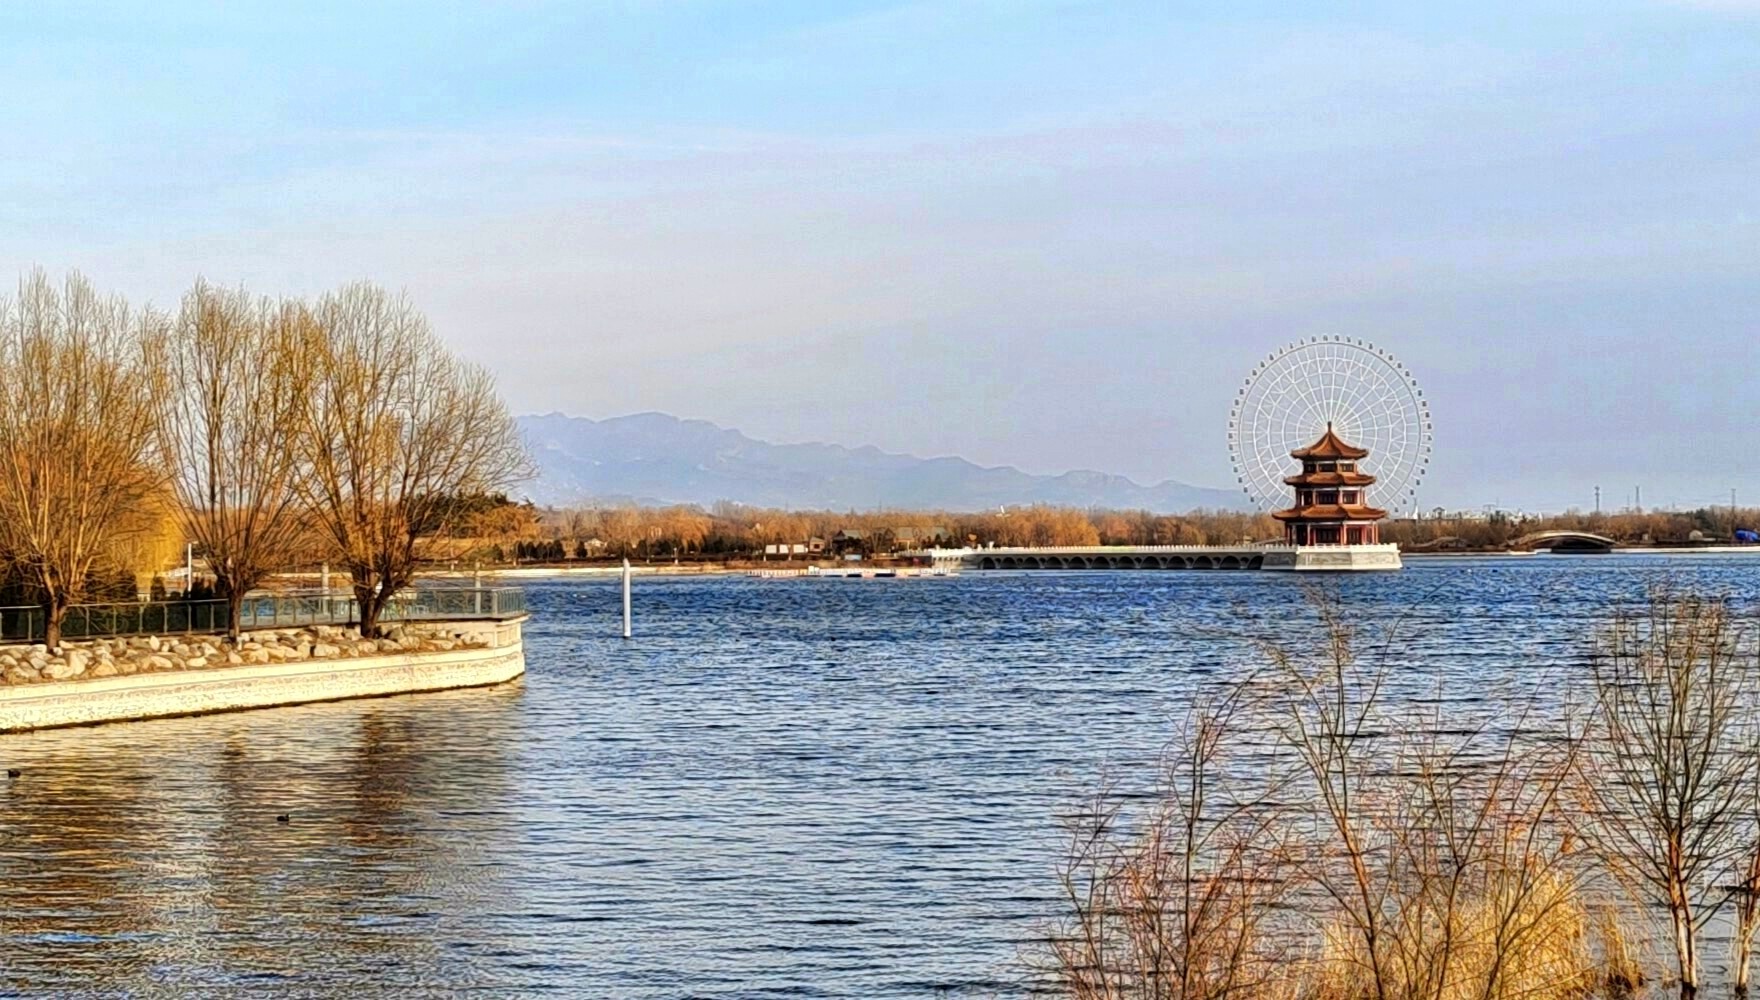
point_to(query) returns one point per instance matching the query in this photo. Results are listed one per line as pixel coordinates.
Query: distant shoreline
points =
(743, 568)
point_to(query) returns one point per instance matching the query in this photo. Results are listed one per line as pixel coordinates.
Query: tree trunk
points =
(367, 598)
(54, 612)
(234, 612)
(1685, 953)
(1745, 914)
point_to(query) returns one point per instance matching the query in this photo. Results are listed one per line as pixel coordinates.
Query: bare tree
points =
(1431, 858)
(1437, 863)
(77, 443)
(1667, 768)
(399, 434)
(230, 429)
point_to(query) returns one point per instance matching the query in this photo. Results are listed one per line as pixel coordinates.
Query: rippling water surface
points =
(782, 788)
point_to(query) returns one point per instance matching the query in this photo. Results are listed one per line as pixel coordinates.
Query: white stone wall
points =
(1346, 558)
(232, 688)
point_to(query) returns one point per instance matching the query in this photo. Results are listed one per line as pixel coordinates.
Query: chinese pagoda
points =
(1332, 496)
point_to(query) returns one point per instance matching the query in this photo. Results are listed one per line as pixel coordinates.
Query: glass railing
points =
(128, 618)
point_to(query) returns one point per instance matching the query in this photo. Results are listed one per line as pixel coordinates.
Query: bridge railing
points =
(130, 618)
(1106, 549)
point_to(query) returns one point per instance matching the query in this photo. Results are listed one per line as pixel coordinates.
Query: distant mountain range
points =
(653, 458)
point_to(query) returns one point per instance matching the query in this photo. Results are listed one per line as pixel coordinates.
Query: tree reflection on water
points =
(151, 853)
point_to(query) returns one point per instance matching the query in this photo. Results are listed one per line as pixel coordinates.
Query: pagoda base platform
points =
(1335, 558)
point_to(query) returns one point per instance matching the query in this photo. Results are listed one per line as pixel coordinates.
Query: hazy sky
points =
(1051, 235)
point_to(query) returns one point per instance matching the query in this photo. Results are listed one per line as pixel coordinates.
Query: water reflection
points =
(150, 858)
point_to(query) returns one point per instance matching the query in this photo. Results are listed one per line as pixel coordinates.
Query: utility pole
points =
(1597, 499)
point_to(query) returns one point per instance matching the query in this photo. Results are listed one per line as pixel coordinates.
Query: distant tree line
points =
(495, 529)
(1496, 531)
(508, 531)
(339, 427)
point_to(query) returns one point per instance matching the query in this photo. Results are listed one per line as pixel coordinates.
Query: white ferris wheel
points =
(1370, 399)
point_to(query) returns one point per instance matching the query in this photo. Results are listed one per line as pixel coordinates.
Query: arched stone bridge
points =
(1248, 556)
(1564, 541)
(1128, 559)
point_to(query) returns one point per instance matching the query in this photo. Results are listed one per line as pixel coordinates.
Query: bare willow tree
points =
(400, 435)
(1668, 770)
(77, 442)
(230, 428)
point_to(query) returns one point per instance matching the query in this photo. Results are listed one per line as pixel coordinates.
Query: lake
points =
(779, 788)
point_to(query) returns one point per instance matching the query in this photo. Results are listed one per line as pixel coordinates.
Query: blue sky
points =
(1052, 235)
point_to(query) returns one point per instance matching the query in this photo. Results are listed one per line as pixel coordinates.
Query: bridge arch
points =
(1564, 541)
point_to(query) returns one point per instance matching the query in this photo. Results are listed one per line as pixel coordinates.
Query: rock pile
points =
(34, 664)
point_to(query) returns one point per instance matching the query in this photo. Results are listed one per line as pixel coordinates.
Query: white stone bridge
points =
(1167, 557)
(1564, 541)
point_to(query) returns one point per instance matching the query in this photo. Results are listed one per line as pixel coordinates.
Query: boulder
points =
(234, 658)
(78, 661)
(156, 663)
(323, 650)
(441, 644)
(388, 645)
(18, 675)
(153, 643)
(367, 647)
(61, 670)
(103, 669)
(182, 649)
(259, 655)
(127, 667)
(196, 662)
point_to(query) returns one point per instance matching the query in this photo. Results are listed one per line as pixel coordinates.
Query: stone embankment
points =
(100, 658)
(118, 680)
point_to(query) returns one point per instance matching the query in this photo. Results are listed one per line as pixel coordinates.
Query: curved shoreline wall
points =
(237, 688)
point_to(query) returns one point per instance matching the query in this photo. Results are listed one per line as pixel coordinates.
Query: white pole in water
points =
(626, 575)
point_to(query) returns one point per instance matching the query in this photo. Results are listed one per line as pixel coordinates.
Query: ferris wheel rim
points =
(1365, 388)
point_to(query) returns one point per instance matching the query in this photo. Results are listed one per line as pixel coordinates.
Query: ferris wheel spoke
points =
(1370, 399)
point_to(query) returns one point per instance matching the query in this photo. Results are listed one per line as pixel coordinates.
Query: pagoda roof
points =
(1331, 512)
(1330, 445)
(1329, 479)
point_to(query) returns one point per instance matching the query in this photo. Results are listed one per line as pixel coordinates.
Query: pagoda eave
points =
(1329, 479)
(1330, 512)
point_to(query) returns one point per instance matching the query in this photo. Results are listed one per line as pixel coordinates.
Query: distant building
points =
(921, 538)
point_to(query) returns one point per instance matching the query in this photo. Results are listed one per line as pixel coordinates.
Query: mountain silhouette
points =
(654, 458)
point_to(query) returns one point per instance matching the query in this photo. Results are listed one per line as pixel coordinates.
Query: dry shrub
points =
(1184, 903)
(1622, 968)
(1472, 958)
(1362, 854)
